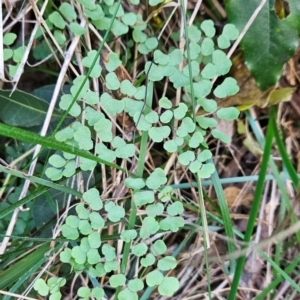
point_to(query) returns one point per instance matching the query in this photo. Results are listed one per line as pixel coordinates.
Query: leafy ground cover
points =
(145, 155)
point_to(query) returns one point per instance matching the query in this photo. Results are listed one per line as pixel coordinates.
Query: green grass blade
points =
(48, 142)
(254, 207)
(225, 215)
(13, 273)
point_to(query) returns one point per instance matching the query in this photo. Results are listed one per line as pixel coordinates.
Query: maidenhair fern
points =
(89, 253)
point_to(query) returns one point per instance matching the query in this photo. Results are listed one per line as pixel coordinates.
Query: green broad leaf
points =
(125, 151)
(149, 260)
(152, 117)
(97, 222)
(175, 57)
(69, 232)
(195, 166)
(195, 68)
(209, 71)
(139, 249)
(166, 116)
(208, 27)
(119, 28)
(165, 103)
(207, 170)
(186, 157)
(104, 130)
(223, 42)
(98, 292)
(105, 153)
(24, 110)
(113, 62)
(204, 155)
(180, 111)
(84, 292)
(77, 29)
(117, 280)
(158, 248)
(112, 81)
(170, 146)
(95, 14)
(156, 179)
(140, 122)
(154, 278)
(167, 263)
(88, 4)
(111, 266)
(128, 235)
(127, 88)
(153, 71)
(64, 134)
(65, 256)
(165, 194)
(41, 287)
(208, 105)
(143, 197)
(228, 113)
(85, 227)
(82, 212)
(70, 169)
(196, 139)
(88, 61)
(18, 54)
(134, 183)
(194, 33)
(72, 221)
(168, 286)
(77, 82)
(151, 43)
(93, 256)
(115, 212)
(59, 37)
(139, 36)
(171, 223)
(206, 122)
(126, 293)
(109, 252)
(140, 93)
(92, 115)
(207, 46)
(194, 49)
(65, 102)
(201, 88)
(221, 62)
(161, 58)
(113, 7)
(231, 32)
(9, 38)
(277, 42)
(149, 226)
(157, 134)
(54, 174)
(57, 20)
(175, 208)
(220, 135)
(91, 97)
(68, 11)
(227, 88)
(135, 285)
(129, 19)
(94, 240)
(85, 245)
(154, 210)
(179, 79)
(133, 107)
(92, 198)
(56, 161)
(111, 105)
(7, 54)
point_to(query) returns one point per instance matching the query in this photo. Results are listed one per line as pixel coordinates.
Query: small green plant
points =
(180, 131)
